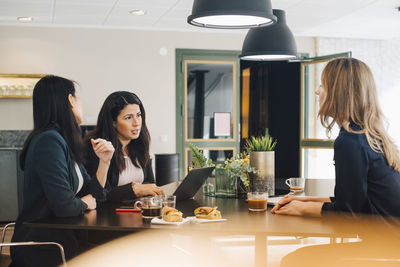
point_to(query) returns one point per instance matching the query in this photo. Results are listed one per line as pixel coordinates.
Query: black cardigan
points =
(365, 183)
(115, 193)
(50, 183)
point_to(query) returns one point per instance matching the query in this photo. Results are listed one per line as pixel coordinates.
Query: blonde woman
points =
(367, 162)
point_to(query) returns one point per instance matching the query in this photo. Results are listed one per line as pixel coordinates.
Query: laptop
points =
(190, 184)
(274, 200)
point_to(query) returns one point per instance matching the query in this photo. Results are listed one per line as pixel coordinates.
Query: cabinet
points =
(11, 183)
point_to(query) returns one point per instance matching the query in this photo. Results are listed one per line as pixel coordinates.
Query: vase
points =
(225, 184)
(264, 181)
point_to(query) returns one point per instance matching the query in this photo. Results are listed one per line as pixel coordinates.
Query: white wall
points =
(105, 60)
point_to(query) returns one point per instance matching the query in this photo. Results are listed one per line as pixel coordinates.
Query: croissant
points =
(207, 213)
(171, 215)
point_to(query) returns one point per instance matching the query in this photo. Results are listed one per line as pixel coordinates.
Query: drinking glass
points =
(169, 201)
(257, 201)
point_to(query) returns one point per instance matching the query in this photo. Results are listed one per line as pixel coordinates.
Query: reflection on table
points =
(370, 245)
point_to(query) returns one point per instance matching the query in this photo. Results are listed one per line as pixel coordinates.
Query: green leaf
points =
(198, 159)
(261, 143)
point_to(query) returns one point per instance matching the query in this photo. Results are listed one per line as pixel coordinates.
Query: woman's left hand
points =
(103, 149)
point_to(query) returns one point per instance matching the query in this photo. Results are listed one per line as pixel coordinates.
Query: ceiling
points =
(366, 19)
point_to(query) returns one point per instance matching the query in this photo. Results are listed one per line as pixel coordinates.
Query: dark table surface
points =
(239, 219)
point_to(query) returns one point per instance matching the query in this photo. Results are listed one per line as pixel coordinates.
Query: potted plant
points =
(232, 177)
(200, 161)
(262, 157)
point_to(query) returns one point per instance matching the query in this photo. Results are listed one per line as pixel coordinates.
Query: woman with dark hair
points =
(367, 162)
(122, 120)
(55, 182)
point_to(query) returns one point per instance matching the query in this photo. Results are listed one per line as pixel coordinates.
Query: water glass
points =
(169, 201)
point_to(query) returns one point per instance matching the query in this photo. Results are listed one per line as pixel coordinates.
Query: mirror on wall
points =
(210, 96)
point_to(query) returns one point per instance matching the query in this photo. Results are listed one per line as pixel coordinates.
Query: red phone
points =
(127, 209)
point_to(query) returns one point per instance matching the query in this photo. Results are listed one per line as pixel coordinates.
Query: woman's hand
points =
(287, 199)
(301, 206)
(90, 201)
(146, 189)
(103, 149)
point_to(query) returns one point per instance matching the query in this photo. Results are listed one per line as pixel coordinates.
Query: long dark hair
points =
(52, 110)
(138, 149)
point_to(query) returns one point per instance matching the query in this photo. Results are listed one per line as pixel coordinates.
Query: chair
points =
(5, 260)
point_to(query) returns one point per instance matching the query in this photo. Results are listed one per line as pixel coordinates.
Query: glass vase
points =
(225, 184)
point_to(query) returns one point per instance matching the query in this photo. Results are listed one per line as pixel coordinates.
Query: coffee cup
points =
(150, 206)
(296, 184)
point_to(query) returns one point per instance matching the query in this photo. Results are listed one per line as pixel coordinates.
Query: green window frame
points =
(183, 58)
(308, 95)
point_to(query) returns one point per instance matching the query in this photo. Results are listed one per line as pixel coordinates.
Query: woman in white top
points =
(122, 120)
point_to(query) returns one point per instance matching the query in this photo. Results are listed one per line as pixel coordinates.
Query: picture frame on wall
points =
(222, 123)
(18, 85)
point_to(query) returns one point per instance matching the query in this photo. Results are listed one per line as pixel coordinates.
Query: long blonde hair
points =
(351, 96)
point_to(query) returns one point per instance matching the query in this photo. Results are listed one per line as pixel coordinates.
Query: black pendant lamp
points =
(274, 42)
(231, 14)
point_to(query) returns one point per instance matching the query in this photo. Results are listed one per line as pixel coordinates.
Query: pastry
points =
(171, 215)
(207, 213)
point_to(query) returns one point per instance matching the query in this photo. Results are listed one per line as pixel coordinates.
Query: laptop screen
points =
(192, 183)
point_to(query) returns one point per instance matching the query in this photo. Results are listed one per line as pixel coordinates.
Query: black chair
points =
(167, 168)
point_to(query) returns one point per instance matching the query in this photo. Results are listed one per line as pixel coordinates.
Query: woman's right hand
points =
(90, 201)
(103, 149)
(146, 189)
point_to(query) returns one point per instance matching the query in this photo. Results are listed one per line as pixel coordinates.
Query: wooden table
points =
(239, 221)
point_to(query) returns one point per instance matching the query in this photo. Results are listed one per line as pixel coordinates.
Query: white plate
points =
(161, 221)
(197, 220)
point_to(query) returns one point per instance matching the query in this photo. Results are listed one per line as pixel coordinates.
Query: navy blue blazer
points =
(50, 185)
(365, 183)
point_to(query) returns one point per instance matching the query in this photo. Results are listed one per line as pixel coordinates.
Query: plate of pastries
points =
(207, 214)
(173, 216)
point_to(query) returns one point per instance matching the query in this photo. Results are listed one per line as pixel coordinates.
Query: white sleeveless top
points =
(80, 177)
(130, 174)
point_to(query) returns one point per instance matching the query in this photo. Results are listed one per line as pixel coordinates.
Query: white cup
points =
(296, 184)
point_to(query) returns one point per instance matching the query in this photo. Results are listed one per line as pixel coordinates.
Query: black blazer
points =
(365, 183)
(115, 193)
(50, 185)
